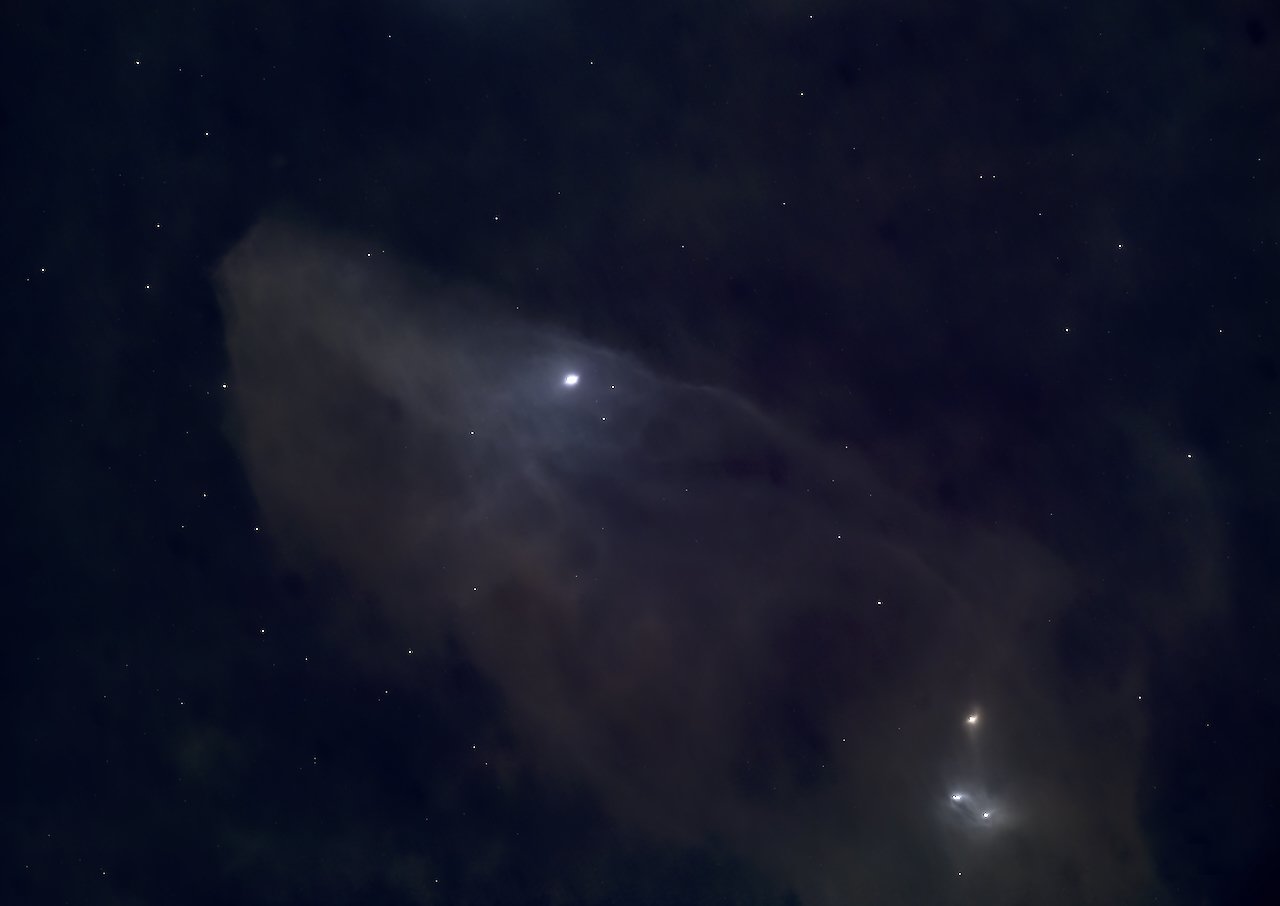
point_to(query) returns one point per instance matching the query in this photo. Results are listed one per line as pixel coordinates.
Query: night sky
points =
(566, 452)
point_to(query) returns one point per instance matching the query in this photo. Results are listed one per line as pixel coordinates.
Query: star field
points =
(556, 453)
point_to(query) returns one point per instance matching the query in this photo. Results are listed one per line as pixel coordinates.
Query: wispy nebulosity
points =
(719, 625)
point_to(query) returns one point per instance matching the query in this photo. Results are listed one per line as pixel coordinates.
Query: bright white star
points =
(570, 379)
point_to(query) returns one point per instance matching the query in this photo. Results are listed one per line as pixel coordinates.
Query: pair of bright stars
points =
(962, 797)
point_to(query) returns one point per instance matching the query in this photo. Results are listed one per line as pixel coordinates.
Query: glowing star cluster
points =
(972, 805)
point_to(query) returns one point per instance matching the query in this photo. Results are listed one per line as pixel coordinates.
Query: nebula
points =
(717, 624)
